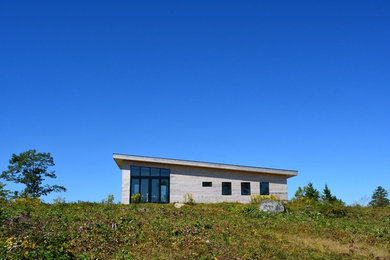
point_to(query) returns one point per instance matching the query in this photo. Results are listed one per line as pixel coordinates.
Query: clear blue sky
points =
(299, 85)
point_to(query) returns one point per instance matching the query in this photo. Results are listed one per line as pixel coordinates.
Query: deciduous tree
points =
(31, 168)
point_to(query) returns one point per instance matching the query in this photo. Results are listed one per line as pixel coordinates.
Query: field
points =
(201, 231)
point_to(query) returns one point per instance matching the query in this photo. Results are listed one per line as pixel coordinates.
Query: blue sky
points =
(299, 85)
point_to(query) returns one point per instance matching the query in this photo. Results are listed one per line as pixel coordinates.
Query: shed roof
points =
(119, 158)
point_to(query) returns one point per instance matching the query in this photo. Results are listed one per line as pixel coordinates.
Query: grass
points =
(200, 231)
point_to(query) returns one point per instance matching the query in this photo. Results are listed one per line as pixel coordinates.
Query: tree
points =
(310, 192)
(327, 195)
(379, 198)
(299, 193)
(4, 194)
(30, 168)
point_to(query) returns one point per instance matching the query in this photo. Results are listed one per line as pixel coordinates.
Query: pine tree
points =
(299, 193)
(379, 198)
(310, 192)
(327, 195)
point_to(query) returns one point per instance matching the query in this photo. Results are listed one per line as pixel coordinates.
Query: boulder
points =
(178, 205)
(271, 206)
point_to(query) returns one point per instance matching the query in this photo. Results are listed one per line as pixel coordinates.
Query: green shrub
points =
(109, 200)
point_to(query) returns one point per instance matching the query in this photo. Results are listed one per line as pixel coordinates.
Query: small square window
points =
(264, 188)
(207, 184)
(245, 188)
(226, 188)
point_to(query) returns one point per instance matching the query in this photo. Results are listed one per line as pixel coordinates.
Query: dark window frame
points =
(243, 188)
(207, 184)
(229, 187)
(264, 183)
(165, 176)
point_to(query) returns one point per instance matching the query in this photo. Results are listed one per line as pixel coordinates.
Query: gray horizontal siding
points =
(189, 180)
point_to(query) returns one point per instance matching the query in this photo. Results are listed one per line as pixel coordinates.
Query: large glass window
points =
(134, 186)
(245, 188)
(155, 190)
(151, 183)
(226, 188)
(164, 190)
(144, 190)
(264, 188)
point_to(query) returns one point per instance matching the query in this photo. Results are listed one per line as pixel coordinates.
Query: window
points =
(165, 172)
(264, 188)
(207, 184)
(135, 171)
(145, 171)
(151, 183)
(155, 171)
(245, 188)
(226, 188)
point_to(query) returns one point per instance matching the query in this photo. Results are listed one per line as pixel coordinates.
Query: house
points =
(161, 180)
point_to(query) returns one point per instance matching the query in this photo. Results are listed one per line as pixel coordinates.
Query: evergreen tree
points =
(299, 193)
(310, 192)
(307, 191)
(379, 198)
(327, 195)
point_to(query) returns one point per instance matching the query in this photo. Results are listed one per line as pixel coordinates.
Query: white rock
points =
(178, 205)
(271, 206)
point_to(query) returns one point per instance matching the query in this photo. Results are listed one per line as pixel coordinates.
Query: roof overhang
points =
(120, 158)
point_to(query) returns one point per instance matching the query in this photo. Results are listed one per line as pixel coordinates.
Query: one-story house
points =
(161, 180)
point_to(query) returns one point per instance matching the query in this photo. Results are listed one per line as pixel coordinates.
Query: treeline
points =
(379, 197)
(31, 168)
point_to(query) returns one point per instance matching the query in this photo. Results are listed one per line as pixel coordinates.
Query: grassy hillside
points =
(222, 231)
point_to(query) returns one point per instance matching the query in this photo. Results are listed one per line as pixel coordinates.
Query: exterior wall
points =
(126, 183)
(185, 179)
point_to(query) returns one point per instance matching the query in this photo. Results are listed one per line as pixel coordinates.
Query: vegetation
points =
(30, 168)
(308, 191)
(379, 198)
(189, 199)
(257, 198)
(4, 193)
(308, 229)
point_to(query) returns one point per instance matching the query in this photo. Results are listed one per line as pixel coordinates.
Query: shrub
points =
(109, 199)
(59, 200)
(188, 199)
(27, 200)
(257, 198)
(332, 209)
(136, 198)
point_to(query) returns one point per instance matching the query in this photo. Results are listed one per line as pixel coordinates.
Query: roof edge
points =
(119, 158)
